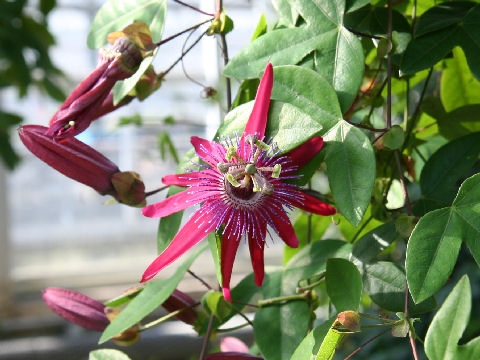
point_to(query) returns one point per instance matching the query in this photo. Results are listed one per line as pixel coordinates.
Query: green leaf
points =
(261, 28)
(279, 329)
(373, 20)
(329, 344)
(216, 304)
(311, 260)
(214, 242)
(339, 56)
(448, 325)
(458, 86)
(310, 345)
(374, 242)
(318, 226)
(442, 171)
(435, 242)
(351, 170)
(152, 296)
(394, 137)
(432, 252)
(344, 284)
(287, 14)
(385, 283)
(308, 91)
(107, 354)
(438, 31)
(123, 87)
(116, 14)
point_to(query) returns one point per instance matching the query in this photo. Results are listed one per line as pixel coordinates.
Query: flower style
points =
(93, 97)
(243, 189)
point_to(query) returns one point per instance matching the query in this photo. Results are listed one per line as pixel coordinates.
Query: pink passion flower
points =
(242, 189)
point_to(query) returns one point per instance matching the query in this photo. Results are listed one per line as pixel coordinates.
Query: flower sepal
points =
(129, 188)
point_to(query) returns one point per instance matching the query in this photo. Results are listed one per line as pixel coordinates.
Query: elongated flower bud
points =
(72, 158)
(179, 300)
(77, 308)
(90, 99)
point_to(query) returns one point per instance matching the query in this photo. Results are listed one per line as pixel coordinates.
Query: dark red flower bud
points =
(179, 300)
(76, 308)
(72, 158)
(92, 97)
(231, 356)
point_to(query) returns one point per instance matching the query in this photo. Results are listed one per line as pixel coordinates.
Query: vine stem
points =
(224, 48)
(192, 7)
(278, 299)
(206, 338)
(398, 163)
(200, 279)
(153, 192)
(182, 32)
(366, 343)
(166, 317)
(183, 54)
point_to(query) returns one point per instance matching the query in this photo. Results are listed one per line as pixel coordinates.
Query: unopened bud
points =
(77, 308)
(349, 319)
(178, 301)
(72, 158)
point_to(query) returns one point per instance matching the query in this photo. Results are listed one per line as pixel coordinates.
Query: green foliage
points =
(435, 242)
(449, 324)
(107, 354)
(439, 30)
(152, 296)
(116, 14)
(339, 53)
(344, 284)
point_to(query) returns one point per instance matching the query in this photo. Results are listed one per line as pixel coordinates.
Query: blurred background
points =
(56, 232)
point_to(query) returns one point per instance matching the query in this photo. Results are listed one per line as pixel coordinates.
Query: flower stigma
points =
(245, 181)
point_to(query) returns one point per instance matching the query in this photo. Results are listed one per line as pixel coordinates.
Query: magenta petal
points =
(192, 232)
(257, 247)
(258, 118)
(230, 242)
(230, 343)
(209, 151)
(305, 152)
(176, 203)
(184, 180)
(285, 229)
(314, 206)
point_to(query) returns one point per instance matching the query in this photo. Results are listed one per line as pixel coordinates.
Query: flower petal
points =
(257, 247)
(187, 179)
(192, 232)
(315, 206)
(284, 229)
(177, 202)
(258, 118)
(209, 151)
(230, 242)
(302, 154)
